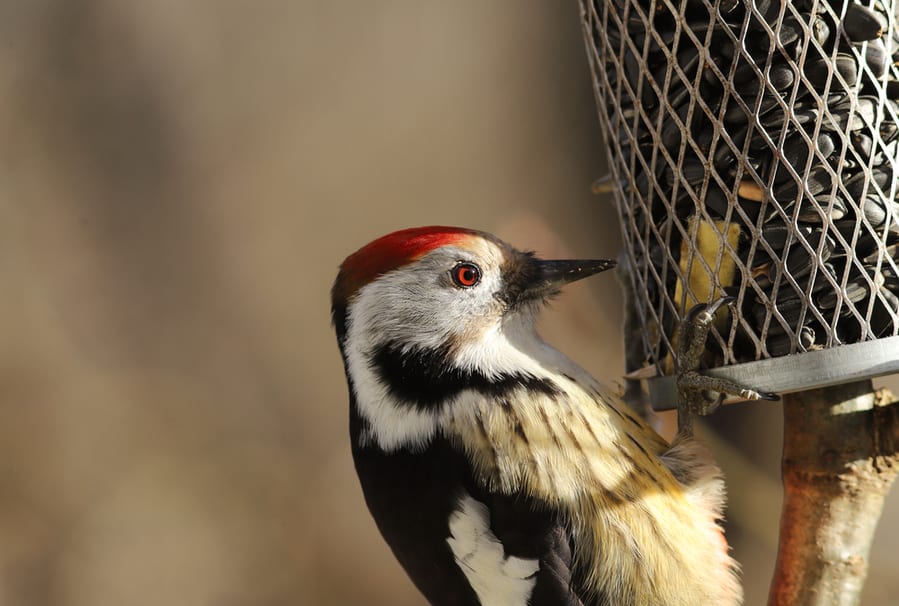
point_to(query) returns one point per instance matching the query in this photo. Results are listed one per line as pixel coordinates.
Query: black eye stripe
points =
(465, 275)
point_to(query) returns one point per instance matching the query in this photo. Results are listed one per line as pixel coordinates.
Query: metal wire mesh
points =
(754, 145)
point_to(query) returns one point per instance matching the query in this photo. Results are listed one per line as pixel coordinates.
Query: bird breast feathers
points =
(618, 483)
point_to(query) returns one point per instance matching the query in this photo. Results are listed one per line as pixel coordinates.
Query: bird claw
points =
(694, 388)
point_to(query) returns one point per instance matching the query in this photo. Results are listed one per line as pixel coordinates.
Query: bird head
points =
(425, 313)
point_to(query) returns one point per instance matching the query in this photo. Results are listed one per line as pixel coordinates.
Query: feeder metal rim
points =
(797, 372)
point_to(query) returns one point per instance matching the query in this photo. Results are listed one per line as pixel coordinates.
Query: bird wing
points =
(411, 496)
(463, 544)
(536, 540)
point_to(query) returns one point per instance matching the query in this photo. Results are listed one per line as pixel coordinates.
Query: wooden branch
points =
(839, 460)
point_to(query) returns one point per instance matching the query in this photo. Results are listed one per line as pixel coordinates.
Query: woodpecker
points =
(500, 472)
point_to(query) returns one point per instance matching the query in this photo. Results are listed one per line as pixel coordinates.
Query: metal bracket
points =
(797, 372)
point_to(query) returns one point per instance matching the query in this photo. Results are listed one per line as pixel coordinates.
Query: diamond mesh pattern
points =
(754, 151)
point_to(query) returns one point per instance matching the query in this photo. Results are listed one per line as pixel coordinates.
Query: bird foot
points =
(694, 389)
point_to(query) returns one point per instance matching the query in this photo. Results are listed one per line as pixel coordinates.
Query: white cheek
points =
(397, 308)
(391, 425)
(496, 579)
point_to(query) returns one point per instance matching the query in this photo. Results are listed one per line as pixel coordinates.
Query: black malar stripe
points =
(425, 379)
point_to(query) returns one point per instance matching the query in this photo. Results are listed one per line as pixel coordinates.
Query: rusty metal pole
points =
(839, 461)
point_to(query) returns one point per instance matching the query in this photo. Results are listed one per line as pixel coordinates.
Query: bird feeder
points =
(754, 145)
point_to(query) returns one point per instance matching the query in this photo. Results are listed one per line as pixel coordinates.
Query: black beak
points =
(538, 279)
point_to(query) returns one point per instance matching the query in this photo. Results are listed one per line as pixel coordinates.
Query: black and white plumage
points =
(499, 471)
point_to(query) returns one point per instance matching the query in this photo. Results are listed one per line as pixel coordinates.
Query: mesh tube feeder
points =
(754, 150)
(754, 145)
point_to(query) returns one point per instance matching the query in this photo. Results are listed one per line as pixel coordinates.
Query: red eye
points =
(466, 275)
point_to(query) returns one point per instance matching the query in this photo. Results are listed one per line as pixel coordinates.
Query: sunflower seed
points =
(892, 89)
(817, 180)
(750, 190)
(855, 185)
(885, 314)
(795, 153)
(825, 145)
(874, 210)
(861, 23)
(846, 65)
(820, 31)
(780, 77)
(876, 58)
(887, 251)
(790, 30)
(812, 211)
(777, 234)
(779, 343)
(855, 291)
(862, 143)
(790, 307)
(888, 131)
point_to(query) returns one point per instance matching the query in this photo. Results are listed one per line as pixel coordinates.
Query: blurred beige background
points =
(179, 182)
